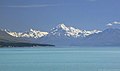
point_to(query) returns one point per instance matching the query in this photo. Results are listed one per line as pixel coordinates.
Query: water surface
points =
(60, 59)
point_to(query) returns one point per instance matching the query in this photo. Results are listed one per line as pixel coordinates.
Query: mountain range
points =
(59, 30)
(7, 40)
(65, 35)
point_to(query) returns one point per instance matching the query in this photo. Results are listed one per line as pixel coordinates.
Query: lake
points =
(65, 58)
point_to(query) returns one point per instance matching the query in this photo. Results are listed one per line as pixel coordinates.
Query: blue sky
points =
(21, 15)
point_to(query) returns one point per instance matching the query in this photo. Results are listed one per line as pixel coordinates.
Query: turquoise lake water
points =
(60, 59)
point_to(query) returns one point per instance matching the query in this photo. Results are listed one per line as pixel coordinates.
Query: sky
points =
(22, 15)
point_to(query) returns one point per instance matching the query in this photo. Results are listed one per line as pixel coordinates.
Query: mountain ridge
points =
(65, 35)
(29, 34)
(60, 29)
(6, 40)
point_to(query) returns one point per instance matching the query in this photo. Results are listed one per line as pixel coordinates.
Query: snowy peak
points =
(62, 30)
(62, 26)
(29, 34)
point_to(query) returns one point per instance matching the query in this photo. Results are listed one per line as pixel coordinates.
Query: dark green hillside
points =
(11, 44)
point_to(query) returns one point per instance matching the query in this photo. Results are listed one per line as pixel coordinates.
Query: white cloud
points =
(109, 24)
(113, 23)
(116, 22)
(29, 6)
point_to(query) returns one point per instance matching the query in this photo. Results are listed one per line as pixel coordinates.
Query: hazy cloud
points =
(109, 24)
(113, 23)
(92, 0)
(29, 6)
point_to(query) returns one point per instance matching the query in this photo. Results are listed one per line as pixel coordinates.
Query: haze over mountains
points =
(64, 35)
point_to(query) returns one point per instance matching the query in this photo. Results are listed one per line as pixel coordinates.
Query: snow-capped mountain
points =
(5, 37)
(109, 37)
(64, 35)
(29, 34)
(6, 40)
(62, 30)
